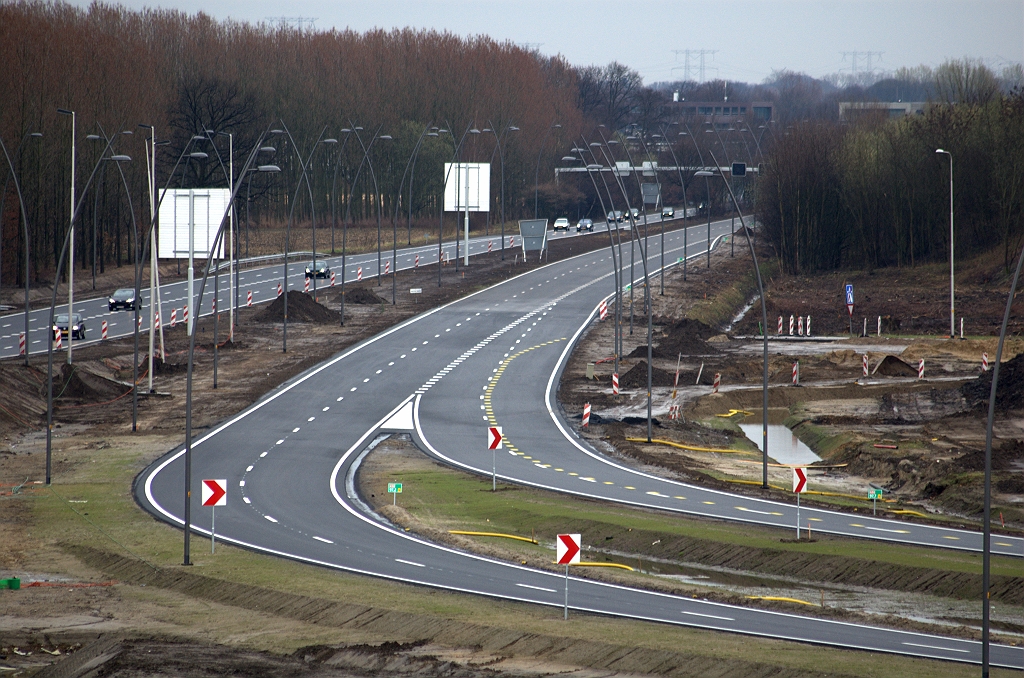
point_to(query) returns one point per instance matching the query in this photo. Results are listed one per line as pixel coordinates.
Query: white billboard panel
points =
(471, 177)
(209, 208)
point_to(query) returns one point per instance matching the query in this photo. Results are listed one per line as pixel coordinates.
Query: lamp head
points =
(268, 149)
(93, 137)
(121, 158)
(268, 168)
(385, 137)
(198, 155)
(329, 141)
(36, 134)
(703, 173)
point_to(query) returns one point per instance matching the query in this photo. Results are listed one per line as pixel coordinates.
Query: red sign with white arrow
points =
(494, 438)
(567, 549)
(215, 492)
(799, 480)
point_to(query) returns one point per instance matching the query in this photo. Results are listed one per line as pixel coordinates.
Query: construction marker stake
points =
(718, 382)
(21, 343)
(920, 369)
(174, 317)
(780, 326)
(864, 363)
(248, 298)
(103, 330)
(615, 384)
(586, 415)
(791, 321)
(984, 361)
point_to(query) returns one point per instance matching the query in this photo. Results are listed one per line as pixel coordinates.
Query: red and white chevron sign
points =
(494, 438)
(586, 414)
(215, 493)
(567, 549)
(603, 309)
(615, 384)
(799, 480)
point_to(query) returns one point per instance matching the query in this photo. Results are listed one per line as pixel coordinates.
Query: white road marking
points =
(247, 500)
(295, 430)
(409, 562)
(326, 541)
(263, 455)
(280, 441)
(936, 647)
(763, 513)
(311, 419)
(241, 483)
(326, 408)
(273, 520)
(709, 616)
(248, 469)
(537, 588)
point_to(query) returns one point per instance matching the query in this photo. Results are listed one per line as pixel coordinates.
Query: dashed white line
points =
(537, 588)
(409, 562)
(708, 616)
(936, 647)
(326, 541)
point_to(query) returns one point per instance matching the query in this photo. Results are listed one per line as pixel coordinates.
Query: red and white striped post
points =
(512, 241)
(791, 324)
(305, 287)
(156, 322)
(21, 344)
(718, 382)
(984, 359)
(808, 326)
(490, 247)
(332, 278)
(213, 305)
(780, 324)
(280, 290)
(139, 324)
(103, 330)
(864, 364)
(58, 337)
(184, 313)
(603, 309)
(248, 299)
(796, 373)
(416, 263)
(800, 326)
(920, 369)
(586, 414)
(615, 384)
(673, 411)
(359, 273)
(174, 317)
(387, 267)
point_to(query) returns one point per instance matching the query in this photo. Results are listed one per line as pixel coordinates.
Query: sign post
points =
(214, 494)
(567, 552)
(799, 486)
(849, 304)
(394, 489)
(494, 443)
(873, 494)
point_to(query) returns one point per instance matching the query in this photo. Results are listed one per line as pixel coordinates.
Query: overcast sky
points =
(750, 38)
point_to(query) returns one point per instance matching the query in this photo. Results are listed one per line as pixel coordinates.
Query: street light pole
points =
(71, 258)
(536, 174)
(952, 305)
(24, 222)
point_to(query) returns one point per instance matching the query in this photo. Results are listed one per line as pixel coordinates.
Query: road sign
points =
(494, 438)
(739, 169)
(799, 480)
(849, 299)
(215, 492)
(875, 493)
(394, 488)
(567, 549)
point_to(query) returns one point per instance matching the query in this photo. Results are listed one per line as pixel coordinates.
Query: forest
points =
(374, 116)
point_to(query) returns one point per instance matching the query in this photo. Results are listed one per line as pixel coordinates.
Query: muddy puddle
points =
(783, 445)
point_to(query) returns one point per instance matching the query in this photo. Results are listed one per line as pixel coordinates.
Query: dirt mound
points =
(637, 377)
(362, 295)
(1009, 392)
(301, 309)
(891, 366)
(80, 381)
(685, 336)
(1003, 457)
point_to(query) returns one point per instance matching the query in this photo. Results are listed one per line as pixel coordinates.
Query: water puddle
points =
(783, 446)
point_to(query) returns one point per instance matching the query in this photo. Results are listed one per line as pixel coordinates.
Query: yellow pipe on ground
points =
(584, 564)
(685, 447)
(781, 599)
(493, 534)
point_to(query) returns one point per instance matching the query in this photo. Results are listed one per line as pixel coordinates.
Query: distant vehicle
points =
(668, 212)
(122, 299)
(636, 213)
(60, 323)
(561, 224)
(317, 270)
(584, 225)
(615, 216)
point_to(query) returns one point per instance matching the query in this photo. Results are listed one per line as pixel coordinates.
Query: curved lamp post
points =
(376, 189)
(536, 173)
(456, 155)
(192, 340)
(952, 306)
(24, 223)
(501, 157)
(764, 324)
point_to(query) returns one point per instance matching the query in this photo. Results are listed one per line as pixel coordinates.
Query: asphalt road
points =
(491, 358)
(262, 281)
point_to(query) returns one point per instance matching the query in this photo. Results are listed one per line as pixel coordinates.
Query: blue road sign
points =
(849, 294)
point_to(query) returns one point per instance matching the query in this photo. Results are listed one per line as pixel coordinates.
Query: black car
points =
(584, 225)
(615, 216)
(123, 299)
(317, 270)
(60, 322)
(668, 212)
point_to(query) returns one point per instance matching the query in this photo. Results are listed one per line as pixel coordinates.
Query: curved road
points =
(491, 358)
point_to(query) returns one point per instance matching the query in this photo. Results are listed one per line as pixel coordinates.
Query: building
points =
(851, 110)
(725, 114)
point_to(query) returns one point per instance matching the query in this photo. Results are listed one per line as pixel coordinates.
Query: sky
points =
(749, 38)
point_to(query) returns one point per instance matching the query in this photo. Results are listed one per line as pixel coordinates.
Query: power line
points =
(688, 71)
(867, 60)
(296, 21)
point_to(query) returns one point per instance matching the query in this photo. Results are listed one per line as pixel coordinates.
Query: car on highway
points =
(584, 225)
(122, 299)
(77, 326)
(668, 212)
(636, 213)
(317, 270)
(615, 216)
(561, 224)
